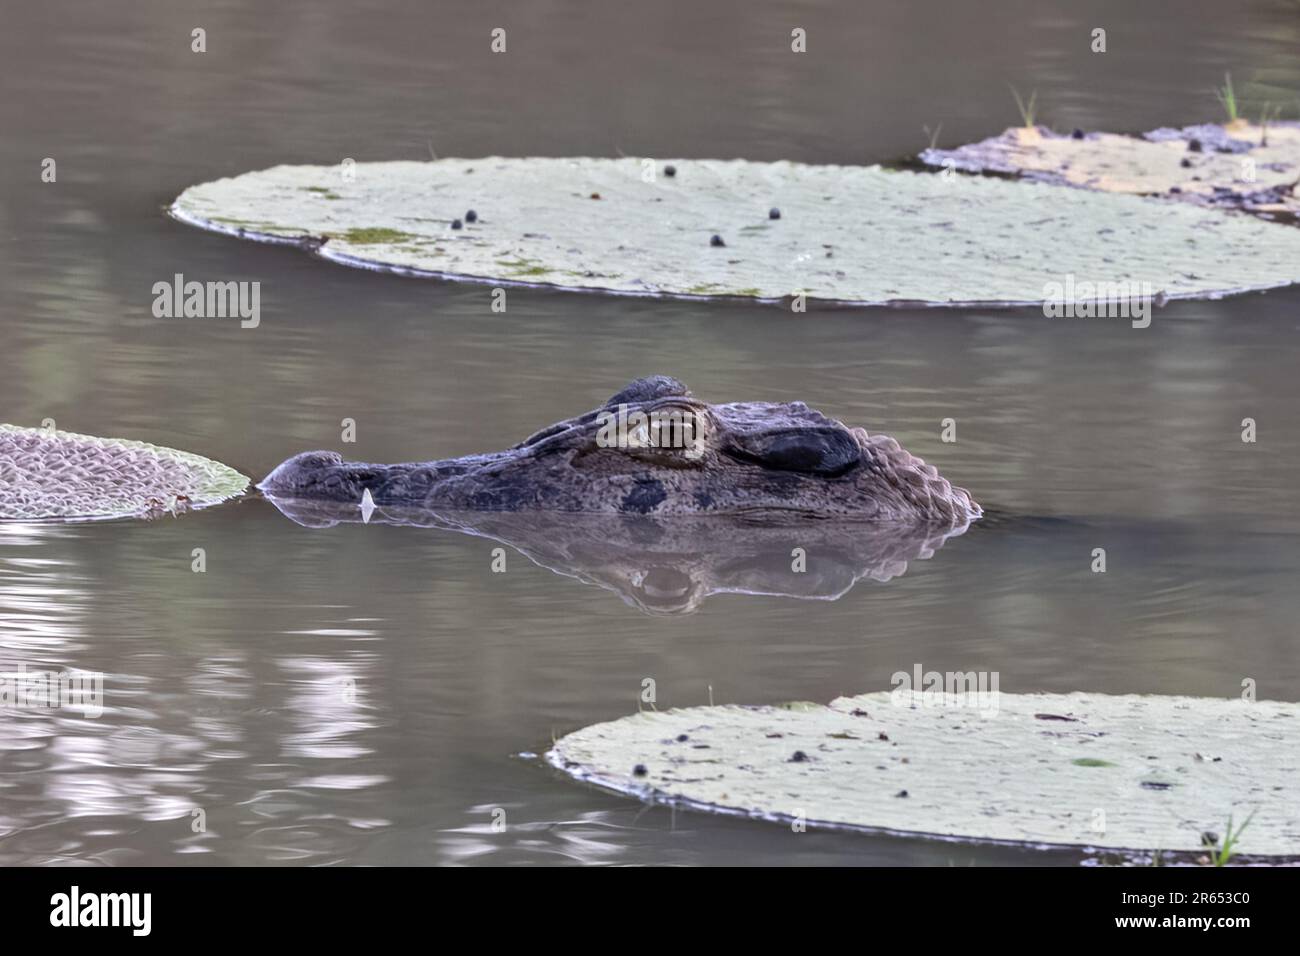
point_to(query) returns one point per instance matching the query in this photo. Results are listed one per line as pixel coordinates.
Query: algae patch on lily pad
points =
(1123, 772)
(61, 475)
(852, 234)
(1239, 166)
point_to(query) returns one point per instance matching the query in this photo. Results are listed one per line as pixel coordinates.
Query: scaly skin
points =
(745, 458)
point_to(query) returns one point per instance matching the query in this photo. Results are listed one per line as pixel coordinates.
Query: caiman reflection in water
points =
(672, 565)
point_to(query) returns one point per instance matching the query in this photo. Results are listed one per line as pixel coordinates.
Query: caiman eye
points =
(669, 428)
(813, 451)
(670, 435)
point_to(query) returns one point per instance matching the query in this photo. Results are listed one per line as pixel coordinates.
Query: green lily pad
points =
(855, 234)
(996, 769)
(53, 474)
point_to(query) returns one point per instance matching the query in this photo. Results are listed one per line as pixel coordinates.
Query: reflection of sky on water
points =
(362, 700)
(41, 607)
(164, 742)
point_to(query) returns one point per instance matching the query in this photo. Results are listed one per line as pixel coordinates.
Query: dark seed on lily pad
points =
(639, 770)
(774, 213)
(716, 241)
(670, 171)
(1186, 163)
(456, 224)
(471, 216)
(798, 757)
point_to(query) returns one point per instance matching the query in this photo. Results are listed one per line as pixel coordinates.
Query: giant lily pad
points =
(853, 234)
(1124, 772)
(1241, 166)
(53, 474)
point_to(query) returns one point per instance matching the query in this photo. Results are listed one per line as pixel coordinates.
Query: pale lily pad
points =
(853, 234)
(1241, 166)
(1121, 772)
(53, 474)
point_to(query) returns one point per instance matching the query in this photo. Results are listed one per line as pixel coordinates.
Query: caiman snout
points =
(301, 473)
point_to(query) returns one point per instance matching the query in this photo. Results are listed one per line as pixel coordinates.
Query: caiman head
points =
(654, 449)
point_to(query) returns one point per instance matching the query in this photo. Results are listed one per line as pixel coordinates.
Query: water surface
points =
(361, 694)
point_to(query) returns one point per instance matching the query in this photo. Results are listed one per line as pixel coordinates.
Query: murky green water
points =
(361, 694)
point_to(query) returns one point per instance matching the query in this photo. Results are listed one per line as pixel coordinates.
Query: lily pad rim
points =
(652, 796)
(315, 245)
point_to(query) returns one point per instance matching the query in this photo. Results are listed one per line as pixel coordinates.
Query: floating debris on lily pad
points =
(52, 474)
(1237, 166)
(851, 234)
(1124, 772)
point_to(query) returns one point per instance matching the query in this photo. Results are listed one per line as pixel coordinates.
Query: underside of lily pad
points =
(1239, 166)
(767, 231)
(47, 474)
(1085, 770)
